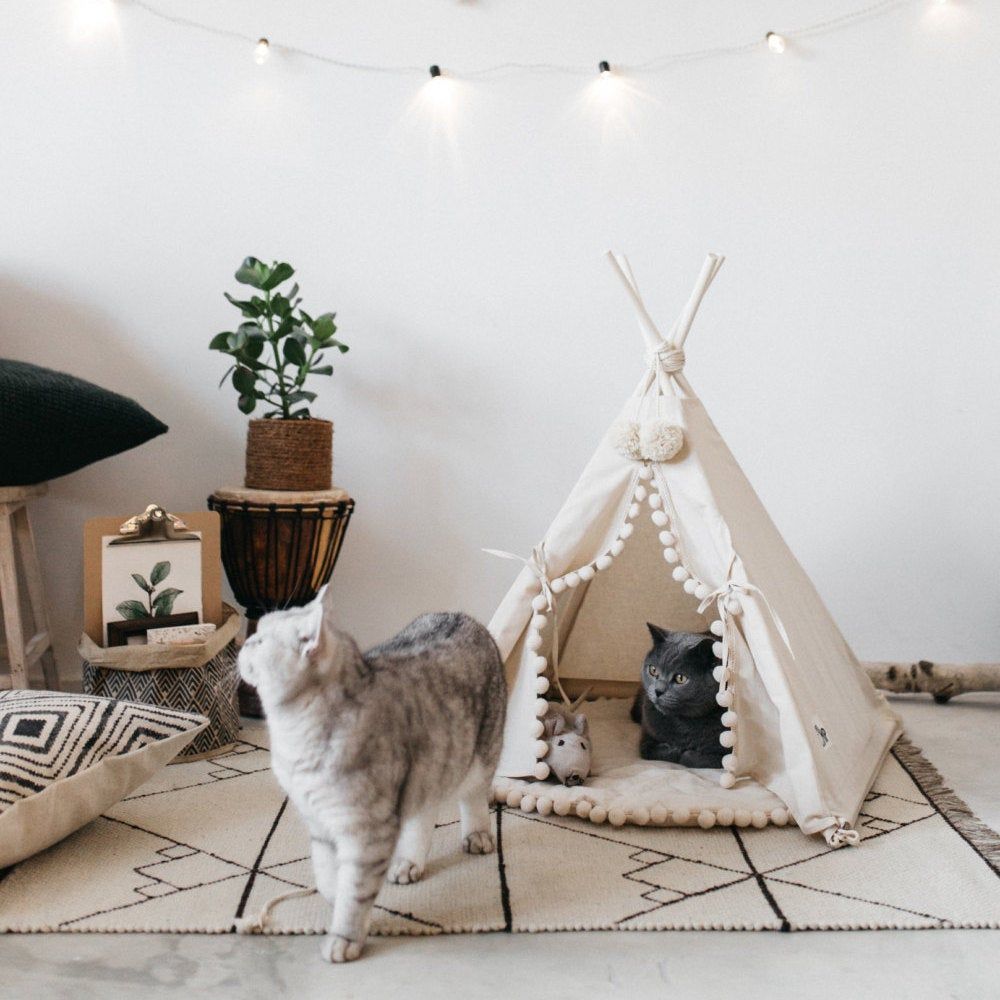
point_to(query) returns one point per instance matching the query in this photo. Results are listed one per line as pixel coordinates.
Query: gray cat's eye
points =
(680, 678)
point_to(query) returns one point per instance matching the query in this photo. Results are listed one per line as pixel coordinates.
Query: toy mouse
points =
(568, 736)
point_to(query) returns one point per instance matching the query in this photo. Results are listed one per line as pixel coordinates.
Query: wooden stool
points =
(15, 537)
(278, 549)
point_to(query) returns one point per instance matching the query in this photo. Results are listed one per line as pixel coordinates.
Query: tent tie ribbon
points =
(536, 563)
(734, 589)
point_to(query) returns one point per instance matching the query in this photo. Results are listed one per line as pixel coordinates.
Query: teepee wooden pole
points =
(646, 324)
(708, 271)
(942, 680)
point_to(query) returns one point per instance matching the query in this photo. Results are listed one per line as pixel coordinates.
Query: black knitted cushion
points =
(52, 423)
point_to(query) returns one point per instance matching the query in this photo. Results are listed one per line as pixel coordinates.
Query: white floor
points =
(960, 738)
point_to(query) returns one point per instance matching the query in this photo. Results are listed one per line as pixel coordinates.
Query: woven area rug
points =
(204, 844)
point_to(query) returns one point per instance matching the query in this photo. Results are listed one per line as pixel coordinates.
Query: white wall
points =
(848, 350)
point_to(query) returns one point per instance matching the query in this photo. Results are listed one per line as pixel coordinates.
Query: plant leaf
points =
(276, 275)
(252, 272)
(244, 380)
(324, 327)
(220, 342)
(131, 610)
(224, 377)
(294, 351)
(300, 397)
(141, 580)
(160, 572)
(321, 370)
(251, 308)
(246, 403)
(163, 603)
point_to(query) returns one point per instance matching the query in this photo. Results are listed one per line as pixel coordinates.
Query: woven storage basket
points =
(199, 679)
(289, 455)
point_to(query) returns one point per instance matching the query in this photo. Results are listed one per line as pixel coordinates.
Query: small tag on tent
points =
(821, 734)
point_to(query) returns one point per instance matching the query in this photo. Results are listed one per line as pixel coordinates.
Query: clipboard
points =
(203, 523)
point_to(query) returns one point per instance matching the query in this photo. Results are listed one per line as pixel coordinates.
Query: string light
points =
(435, 71)
(604, 67)
(775, 42)
(261, 51)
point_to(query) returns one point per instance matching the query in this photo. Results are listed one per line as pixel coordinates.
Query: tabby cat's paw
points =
(403, 872)
(478, 842)
(339, 949)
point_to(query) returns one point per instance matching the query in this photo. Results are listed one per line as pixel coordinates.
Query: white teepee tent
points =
(807, 731)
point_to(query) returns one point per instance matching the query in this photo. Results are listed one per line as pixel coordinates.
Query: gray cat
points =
(367, 746)
(681, 720)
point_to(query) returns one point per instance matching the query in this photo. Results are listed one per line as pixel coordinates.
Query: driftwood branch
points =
(942, 680)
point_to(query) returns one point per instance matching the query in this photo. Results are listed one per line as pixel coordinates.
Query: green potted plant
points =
(276, 348)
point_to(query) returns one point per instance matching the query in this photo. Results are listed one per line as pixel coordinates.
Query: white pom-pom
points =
(544, 805)
(617, 546)
(582, 809)
(558, 585)
(537, 728)
(561, 805)
(538, 622)
(716, 628)
(541, 771)
(680, 574)
(598, 814)
(718, 649)
(626, 531)
(633, 511)
(779, 817)
(572, 579)
(706, 819)
(718, 673)
(667, 538)
(727, 780)
(541, 749)
(541, 685)
(533, 642)
(671, 555)
(640, 493)
(540, 664)
(759, 819)
(655, 500)
(528, 800)
(724, 815)
(640, 816)
(514, 797)
(658, 815)
(645, 472)
(625, 439)
(500, 789)
(729, 719)
(660, 440)
(659, 518)
(541, 707)
(724, 698)
(729, 762)
(603, 562)
(539, 603)
(617, 816)
(727, 738)
(690, 586)
(742, 817)
(701, 591)
(733, 605)
(586, 573)
(682, 816)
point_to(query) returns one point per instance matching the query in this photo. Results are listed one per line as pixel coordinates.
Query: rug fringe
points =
(956, 813)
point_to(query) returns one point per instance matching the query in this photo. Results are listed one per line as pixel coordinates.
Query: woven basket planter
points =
(289, 455)
(200, 679)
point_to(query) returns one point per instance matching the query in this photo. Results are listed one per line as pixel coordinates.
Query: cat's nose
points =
(660, 692)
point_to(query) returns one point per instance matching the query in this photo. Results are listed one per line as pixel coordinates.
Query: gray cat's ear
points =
(581, 725)
(659, 634)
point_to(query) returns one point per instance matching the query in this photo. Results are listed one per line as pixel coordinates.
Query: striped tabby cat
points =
(368, 746)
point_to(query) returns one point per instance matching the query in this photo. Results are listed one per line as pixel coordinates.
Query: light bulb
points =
(604, 67)
(435, 71)
(775, 42)
(261, 51)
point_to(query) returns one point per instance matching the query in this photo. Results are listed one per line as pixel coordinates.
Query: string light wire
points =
(655, 64)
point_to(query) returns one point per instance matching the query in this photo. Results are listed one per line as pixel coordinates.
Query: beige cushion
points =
(65, 758)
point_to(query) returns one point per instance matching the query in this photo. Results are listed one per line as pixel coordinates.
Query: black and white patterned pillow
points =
(65, 758)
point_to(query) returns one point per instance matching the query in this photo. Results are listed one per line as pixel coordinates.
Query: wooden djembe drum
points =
(278, 549)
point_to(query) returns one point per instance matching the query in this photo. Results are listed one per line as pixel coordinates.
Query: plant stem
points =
(282, 391)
